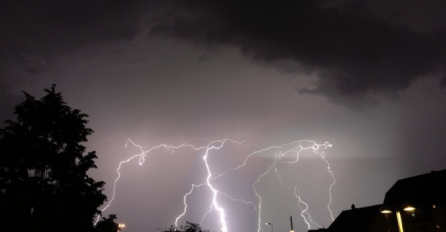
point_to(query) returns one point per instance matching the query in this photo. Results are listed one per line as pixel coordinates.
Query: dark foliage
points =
(189, 227)
(107, 224)
(44, 184)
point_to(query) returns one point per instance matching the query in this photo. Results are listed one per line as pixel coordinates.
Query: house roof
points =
(426, 189)
(355, 219)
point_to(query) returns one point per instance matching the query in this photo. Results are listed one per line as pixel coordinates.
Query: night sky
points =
(367, 76)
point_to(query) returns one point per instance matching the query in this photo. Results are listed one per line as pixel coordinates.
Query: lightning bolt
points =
(259, 207)
(300, 201)
(185, 203)
(239, 200)
(304, 211)
(322, 154)
(215, 204)
(208, 210)
(296, 147)
(293, 148)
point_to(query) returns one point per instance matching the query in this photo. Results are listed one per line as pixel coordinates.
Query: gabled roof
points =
(355, 219)
(426, 189)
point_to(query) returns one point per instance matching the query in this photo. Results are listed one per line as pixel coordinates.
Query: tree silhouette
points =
(44, 184)
(107, 224)
(189, 227)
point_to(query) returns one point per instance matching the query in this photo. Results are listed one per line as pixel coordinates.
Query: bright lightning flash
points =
(282, 151)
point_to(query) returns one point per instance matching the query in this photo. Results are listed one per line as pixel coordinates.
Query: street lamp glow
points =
(406, 207)
(271, 224)
(121, 225)
(386, 211)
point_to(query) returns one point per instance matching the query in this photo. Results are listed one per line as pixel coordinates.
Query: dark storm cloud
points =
(34, 31)
(356, 54)
(443, 82)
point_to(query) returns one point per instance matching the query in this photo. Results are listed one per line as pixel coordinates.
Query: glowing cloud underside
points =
(286, 150)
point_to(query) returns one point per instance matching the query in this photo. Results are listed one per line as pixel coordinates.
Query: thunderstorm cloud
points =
(356, 52)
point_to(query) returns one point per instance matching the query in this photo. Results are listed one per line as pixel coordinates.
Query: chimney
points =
(353, 207)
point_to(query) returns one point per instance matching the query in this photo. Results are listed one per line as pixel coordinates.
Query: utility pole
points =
(291, 222)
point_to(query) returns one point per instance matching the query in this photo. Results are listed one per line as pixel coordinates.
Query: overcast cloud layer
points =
(356, 52)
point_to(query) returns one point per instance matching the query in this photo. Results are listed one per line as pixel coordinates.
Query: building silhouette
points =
(426, 193)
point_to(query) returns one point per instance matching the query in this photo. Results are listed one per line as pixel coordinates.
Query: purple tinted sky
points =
(366, 76)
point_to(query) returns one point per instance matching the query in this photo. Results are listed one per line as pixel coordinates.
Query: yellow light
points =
(121, 225)
(291, 230)
(409, 208)
(385, 209)
(400, 221)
